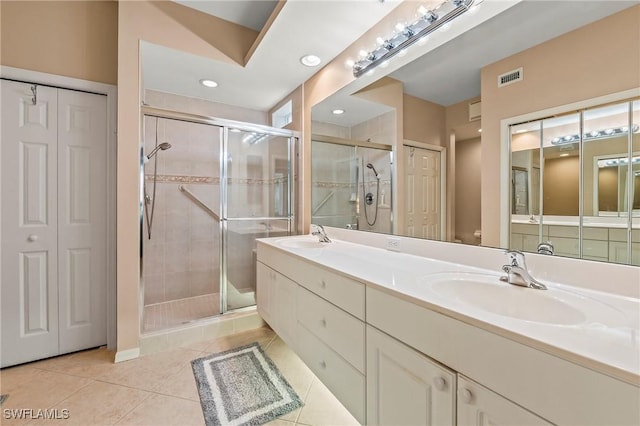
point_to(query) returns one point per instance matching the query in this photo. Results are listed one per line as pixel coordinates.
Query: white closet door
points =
(82, 221)
(29, 290)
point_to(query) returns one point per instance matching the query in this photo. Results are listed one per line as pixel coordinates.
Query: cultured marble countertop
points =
(607, 341)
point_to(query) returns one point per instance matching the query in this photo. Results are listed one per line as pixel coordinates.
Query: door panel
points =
(29, 289)
(82, 148)
(423, 193)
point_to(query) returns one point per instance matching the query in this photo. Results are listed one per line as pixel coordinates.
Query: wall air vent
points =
(510, 77)
(475, 110)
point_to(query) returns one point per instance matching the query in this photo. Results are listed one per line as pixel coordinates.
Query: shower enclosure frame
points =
(224, 125)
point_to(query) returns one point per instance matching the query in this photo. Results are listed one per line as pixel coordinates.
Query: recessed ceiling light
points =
(337, 111)
(208, 83)
(310, 60)
(479, 130)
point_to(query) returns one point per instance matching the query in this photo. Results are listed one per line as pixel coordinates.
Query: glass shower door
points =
(256, 204)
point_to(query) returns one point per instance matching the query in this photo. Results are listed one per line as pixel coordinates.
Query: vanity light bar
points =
(614, 162)
(400, 40)
(595, 134)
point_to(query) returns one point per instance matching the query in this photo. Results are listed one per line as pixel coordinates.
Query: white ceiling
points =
(249, 13)
(320, 27)
(451, 73)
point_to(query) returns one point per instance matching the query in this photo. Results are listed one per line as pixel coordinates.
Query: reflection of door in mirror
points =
(423, 193)
(520, 190)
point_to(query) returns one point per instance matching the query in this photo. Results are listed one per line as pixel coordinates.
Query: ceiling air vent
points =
(510, 77)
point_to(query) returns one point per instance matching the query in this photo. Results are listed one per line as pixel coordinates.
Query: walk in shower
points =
(351, 184)
(211, 187)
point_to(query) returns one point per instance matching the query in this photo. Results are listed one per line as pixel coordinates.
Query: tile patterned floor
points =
(175, 313)
(153, 390)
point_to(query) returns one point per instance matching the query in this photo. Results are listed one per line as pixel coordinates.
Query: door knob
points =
(466, 396)
(440, 383)
(32, 238)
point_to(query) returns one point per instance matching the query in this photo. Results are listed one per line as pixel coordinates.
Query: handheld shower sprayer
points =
(370, 166)
(163, 146)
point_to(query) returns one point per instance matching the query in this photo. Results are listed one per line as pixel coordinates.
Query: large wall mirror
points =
(431, 112)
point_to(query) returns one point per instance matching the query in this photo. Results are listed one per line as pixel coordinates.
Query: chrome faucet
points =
(545, 248)
(320, 233)
(517, 273)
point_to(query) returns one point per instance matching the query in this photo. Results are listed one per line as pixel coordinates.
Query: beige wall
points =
(561, 186)
(467, 194)
(558, 72)
(424, 121)
(75, 39)
(174, 26)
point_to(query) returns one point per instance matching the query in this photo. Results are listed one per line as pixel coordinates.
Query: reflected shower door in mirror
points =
(351, 185)
(589, 166)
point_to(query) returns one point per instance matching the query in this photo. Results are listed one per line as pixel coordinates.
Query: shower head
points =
(370, 166)
(163, 146)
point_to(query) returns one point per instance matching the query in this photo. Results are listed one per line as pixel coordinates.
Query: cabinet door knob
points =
(32, 238)
(323, 365)
(466, 396)
(440, 383)
(323, 322)
(323, 284)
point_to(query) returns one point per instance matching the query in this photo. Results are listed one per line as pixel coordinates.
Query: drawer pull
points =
(440, 383)
(32, 238)
(323, 284)
(323, 365)
(466, 396)
(323, 322)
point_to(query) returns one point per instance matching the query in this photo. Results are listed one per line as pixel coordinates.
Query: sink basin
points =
(553, 306)
(301, 243)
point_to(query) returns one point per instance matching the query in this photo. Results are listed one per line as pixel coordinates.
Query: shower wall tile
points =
(177, 257)
(203, 255)
(177, 285)
(205, 282)
(154, 289)
(178, 232)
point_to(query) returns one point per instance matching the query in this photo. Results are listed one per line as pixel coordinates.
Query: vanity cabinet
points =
(393, 359)
(318, 313)
(276, 300)
(478, 406)
(404, 387)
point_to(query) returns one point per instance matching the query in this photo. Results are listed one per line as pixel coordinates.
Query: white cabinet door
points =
(404, 387)
(82, 230)
(29, 289)
(276, 299)
(478, 405)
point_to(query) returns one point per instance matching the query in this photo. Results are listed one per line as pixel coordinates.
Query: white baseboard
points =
(127, 355)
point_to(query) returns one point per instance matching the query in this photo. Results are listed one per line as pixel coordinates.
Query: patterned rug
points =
(242, 386)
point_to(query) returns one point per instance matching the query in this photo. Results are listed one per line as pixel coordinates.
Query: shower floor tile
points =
(179, 312)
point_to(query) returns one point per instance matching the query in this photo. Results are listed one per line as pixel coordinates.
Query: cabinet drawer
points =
(343, 292)
(339, 330)
(340, 377)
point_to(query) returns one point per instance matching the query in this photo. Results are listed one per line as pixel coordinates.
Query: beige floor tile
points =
(91, 364)
(299, 376)
(97, 404)
(322, 408)
(150, 372)
(32, 388)
(262, 335)
(159, 410)
(181, 385)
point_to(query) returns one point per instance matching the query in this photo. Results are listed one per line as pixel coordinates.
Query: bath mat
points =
(242, 386)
